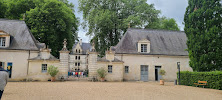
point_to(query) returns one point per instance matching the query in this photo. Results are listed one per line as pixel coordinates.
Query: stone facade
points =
(138, 56)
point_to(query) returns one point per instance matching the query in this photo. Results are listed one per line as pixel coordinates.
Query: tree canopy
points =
(50, 21)
(164, 23)
(108, 20)
(203, 29)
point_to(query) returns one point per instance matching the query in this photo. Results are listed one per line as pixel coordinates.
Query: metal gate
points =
(144, 72)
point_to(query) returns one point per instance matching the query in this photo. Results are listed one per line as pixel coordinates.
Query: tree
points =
(2, 9)
(203, 29)
(164, 23)
(108, 20)
(17, 8)
(51, 22)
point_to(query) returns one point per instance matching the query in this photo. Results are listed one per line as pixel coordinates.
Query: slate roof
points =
(39, 58)
(84, 46)
(103, 59)
(21, 37)
(162, 42)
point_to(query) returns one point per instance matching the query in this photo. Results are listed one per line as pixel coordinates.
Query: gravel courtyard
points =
(106, 91)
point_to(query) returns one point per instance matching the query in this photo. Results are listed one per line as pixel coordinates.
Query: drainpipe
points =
(28, 66)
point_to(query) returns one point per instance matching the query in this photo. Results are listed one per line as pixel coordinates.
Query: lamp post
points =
(178, 67)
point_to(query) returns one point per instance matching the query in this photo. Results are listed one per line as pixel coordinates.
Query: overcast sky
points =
(169, 8)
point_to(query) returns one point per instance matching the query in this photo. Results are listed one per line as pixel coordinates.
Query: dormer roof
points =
(21, 37)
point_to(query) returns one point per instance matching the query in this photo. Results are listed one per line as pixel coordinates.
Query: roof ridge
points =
(148, 29)
(6, 19)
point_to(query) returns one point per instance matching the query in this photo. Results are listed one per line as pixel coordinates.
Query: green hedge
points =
(214, 78)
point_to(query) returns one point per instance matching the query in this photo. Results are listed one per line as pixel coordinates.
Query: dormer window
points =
(143, 47)
(2, 41)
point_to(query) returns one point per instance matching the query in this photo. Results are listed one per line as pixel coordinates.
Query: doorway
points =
(9, 69)
(157, 75)
(144, 72)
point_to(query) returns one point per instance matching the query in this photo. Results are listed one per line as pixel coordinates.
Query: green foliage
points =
(2, 8)
(162, 72)
(17, 8)
(102, 72)
(203, 29)
(50, 21)
(52, 70)
(108, 20)
(214, 78)
(164, 23)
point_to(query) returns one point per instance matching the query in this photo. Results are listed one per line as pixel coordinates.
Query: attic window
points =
(2, 41)
(143, 47)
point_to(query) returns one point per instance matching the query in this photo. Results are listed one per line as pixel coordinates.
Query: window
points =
(79, 51)
(2, 41)
(44, 68)
(143, 47)
(76, 57)
(126, 69)
(78, 64)
(75, 64)
(110, 68)
(79, 57)
(2, 64)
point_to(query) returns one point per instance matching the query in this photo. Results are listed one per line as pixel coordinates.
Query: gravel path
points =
(106, 91)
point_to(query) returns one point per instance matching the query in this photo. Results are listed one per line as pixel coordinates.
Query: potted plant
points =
(52, 70)
(162, 73)
(102, 73)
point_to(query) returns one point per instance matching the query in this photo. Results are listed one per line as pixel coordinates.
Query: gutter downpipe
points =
(28, 67)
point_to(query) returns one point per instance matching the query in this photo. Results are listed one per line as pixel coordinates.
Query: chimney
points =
(80, 42)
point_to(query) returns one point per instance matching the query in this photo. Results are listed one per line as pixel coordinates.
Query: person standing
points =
(3, 80)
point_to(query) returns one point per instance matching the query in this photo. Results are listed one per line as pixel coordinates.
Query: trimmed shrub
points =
(214, 78)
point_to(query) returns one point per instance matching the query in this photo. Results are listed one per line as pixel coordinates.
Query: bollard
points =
(175, 82)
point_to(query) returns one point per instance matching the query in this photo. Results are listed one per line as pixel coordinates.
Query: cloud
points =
(169, 8)
(172, 9)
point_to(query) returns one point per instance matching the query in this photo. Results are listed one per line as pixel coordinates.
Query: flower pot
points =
(161, 82)
(102, 79)
(52, 79)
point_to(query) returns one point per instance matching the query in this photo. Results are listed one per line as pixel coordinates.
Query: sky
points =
(169, 8)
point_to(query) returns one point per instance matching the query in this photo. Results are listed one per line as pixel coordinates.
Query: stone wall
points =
(117, 70)
(35, 69)
(19, 60)
(168, 63)
(64, 64)
(92, 64)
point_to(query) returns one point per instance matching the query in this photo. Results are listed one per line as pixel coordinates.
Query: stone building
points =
(21, 54)
(139, 55)
(79, 56)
